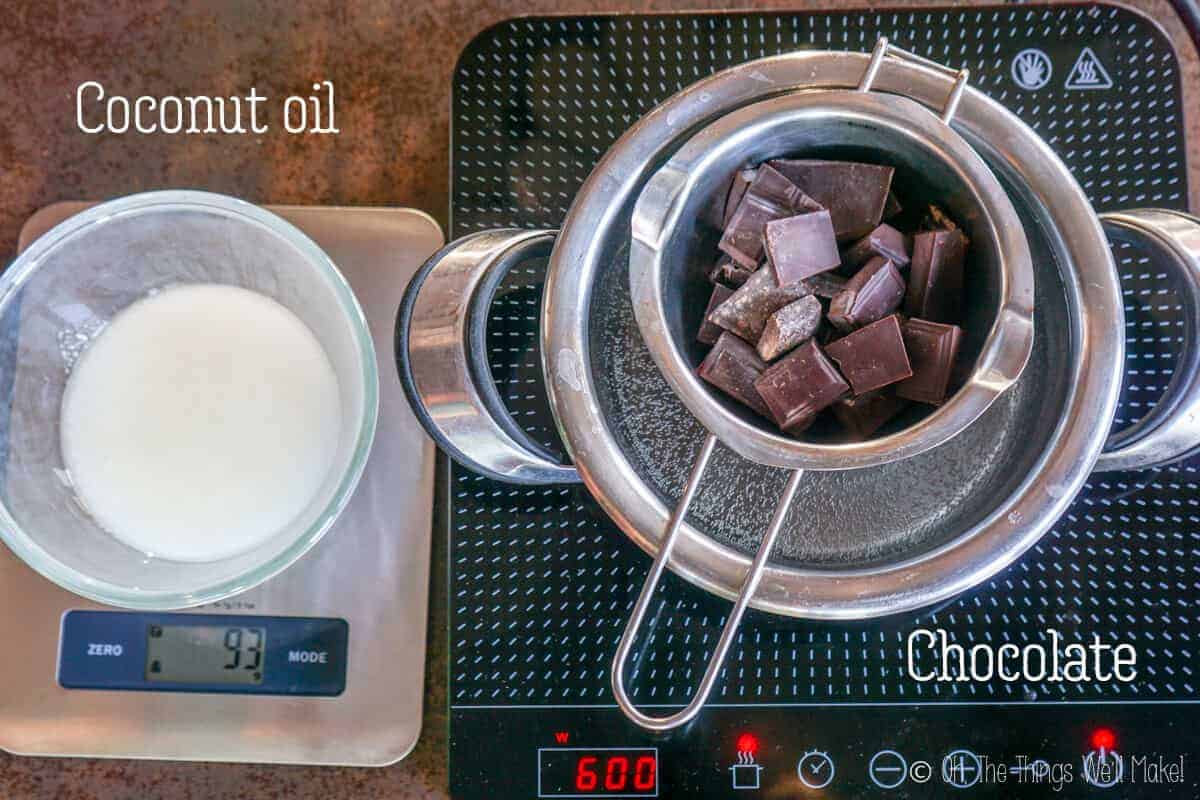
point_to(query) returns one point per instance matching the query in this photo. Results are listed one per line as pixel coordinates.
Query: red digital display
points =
(598, 772)
(621, 773)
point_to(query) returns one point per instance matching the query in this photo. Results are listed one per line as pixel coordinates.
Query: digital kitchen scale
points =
(542, 582)
(328, 658)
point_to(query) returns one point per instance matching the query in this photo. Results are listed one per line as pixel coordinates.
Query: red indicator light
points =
(747, 743)
(1103, 739)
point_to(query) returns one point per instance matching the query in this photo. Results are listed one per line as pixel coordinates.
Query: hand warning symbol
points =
(1031, 69)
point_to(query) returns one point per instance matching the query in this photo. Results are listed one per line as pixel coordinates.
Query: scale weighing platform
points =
(328, 657)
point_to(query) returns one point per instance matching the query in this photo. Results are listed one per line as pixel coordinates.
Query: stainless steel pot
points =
(1051, 429)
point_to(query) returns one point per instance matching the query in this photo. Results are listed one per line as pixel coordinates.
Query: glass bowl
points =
(59, 294)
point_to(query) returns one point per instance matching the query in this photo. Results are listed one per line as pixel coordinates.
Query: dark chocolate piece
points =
(861, 416)
(826, 284)
(772, 185)
(742, 240)
(801, 246)
(710, 332)
(932, 349)
(872, 357)
(884, 241)
(721, 208)
(790, 326)
(745, 312)
(936, 219)
(733, 367)
(800, 425)
(935, 283)
(770, 196)
(853, 193)
(737, 190)
(874, 292)
(728, 273)
(799, 386)
(891, 206)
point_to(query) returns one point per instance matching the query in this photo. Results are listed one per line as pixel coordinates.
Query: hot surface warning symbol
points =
(1088, 73)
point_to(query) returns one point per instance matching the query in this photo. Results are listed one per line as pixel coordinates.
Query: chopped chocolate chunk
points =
(853, 193)
(884, 241)
(719, 211)
(874, 292)
(743, 237)
(727, 201)
(709, 332)
(726, 272)
(733, 367)
(872, 357)
(801, 246)
(826, 284)
(932, 348)
(800, 425)
(770, 196)
(745, 312)
(799, 386)
(790, 326)
(861, 416)
(935, 284)
(891, 206)
(771, 184)
(936, 219)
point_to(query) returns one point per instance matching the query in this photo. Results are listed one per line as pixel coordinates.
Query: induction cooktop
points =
(542, 582)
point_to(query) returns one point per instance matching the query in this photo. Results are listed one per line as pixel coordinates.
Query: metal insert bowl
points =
(673, 247)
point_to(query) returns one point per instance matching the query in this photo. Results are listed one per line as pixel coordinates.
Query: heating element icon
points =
(745, 771)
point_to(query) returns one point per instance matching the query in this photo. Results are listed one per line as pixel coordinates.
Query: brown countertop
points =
(391, 63)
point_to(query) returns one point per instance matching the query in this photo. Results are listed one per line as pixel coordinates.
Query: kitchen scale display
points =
(542, 582)
(206, 655)
(203, 653)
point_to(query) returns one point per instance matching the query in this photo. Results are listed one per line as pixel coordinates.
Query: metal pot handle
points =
(441, 355)
(883, 49)
(1171, 431)
(728, 633)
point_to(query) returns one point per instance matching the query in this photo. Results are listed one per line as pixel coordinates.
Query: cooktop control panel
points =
(835, 752)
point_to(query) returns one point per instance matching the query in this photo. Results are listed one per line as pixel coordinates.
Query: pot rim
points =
(1093, 297)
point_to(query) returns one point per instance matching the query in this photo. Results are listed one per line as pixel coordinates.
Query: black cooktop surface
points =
(541, 582)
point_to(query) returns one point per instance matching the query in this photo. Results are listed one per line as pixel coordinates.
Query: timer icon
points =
(815, 769)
